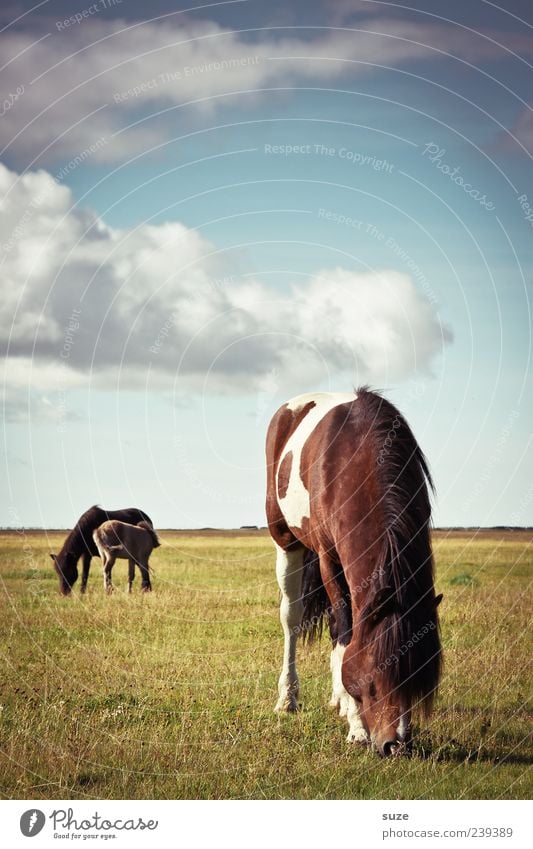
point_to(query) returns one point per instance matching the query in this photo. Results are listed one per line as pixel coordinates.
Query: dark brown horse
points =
(348, 509)
(80, 543)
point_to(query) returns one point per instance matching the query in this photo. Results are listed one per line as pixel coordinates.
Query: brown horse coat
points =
(134, 543)
(347, 481)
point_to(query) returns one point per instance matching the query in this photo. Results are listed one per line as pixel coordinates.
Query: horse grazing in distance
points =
(80, 543)
(349, 512)
(134, 543)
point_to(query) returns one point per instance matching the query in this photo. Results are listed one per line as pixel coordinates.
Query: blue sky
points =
(203, 213)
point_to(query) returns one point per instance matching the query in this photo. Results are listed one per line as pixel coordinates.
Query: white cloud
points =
(86, 303)
(79, 84)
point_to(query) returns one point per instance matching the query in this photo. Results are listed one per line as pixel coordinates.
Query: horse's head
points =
(382, 707)
(67, 571)
(385, 717)
(385, 671)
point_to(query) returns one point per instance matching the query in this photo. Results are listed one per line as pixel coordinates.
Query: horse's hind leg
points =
(146, 586)
(131, 573)
(108, 565)
(289, 571)
(85, 571)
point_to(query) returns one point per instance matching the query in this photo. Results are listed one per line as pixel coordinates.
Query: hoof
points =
(334, 704)
(286, 704)
(360, 736)
(147, 589)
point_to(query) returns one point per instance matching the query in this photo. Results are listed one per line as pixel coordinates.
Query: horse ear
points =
(438, 599)
(53, 556)
(383, 603)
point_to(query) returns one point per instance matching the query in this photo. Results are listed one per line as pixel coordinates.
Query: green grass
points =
(170, 695)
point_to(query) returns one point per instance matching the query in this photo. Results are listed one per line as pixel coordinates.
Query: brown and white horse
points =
(348, 509)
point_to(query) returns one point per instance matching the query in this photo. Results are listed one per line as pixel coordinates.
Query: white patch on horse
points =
(289, 570)
(402, 727)
(356, 732)
(343, 701)
(339, 696)
(296, 505)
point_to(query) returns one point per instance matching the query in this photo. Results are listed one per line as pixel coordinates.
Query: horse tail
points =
(147, 527)
(315, 600)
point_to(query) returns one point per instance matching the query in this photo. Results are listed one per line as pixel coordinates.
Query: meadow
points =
(170, 695)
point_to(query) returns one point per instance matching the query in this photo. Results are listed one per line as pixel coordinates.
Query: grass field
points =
(170, 695)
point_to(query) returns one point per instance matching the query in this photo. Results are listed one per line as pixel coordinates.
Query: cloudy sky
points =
(204, 212)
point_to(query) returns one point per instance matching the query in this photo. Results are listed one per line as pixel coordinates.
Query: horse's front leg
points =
(289, 571)
(86, 563)
(131, 573)
(108, 566)
(350, 674)
(332, 575)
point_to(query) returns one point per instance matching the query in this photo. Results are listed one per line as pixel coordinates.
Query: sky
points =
(207, 210)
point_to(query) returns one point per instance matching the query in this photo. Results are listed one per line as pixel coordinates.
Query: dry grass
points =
(170, 695)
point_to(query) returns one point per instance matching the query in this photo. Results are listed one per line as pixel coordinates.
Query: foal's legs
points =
(131, 573)
(109, 562)
(146, 586)
(85, 571)
(289, 570)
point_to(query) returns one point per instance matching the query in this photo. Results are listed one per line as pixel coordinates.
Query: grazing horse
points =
(348, 510)
(134, 543)
(80, 543)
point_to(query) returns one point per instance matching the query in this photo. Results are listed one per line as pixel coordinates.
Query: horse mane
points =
(406, 643)
(81, 534)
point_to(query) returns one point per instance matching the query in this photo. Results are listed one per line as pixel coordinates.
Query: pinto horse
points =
(80, 543)
(349, 512)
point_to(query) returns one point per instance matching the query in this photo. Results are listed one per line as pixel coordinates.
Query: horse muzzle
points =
(393, 748)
